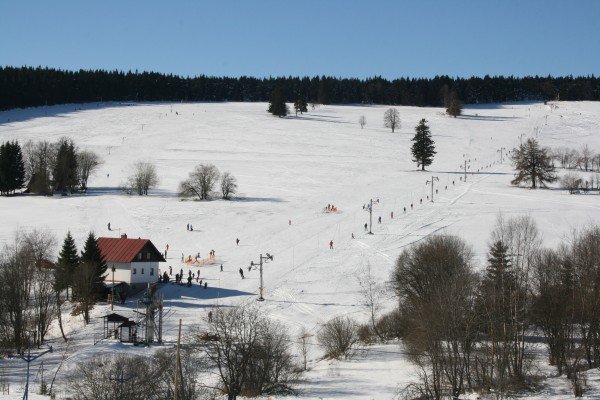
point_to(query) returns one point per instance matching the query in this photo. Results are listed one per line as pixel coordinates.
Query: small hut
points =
(128, 332)
(116, 320)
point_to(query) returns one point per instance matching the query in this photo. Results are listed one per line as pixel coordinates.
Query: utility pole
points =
(501, 151)
(28, 359)
(465, 169)
(266, 259)
(112, 290)
(370, 210)
(433, 178)
(177, 365)
(121, 379)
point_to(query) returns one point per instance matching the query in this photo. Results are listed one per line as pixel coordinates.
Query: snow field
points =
(289, 169)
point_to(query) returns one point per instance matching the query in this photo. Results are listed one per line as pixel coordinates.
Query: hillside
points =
(288, 170)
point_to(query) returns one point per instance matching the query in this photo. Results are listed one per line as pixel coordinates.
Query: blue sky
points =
(340, 38)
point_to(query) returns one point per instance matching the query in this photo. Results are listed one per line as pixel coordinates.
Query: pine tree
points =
(533, 164)
(277, 105)
(423, 148)
(66, 264)
(454, 106)
(64, 171)
(4, 169)
(12, 168)
(498, 274)
(17, 167)
(91, 255)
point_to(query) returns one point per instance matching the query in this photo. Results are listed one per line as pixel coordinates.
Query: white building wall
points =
(143, 270)
(124, 272)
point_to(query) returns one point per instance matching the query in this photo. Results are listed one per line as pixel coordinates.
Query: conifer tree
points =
(91, 254)
(66, 264)
(17, 167)
(498, 274)
(4, 169)
(277, 105)
(88, 278)
(423, 148)
(533, 164)
(64, 172)
(12, 168)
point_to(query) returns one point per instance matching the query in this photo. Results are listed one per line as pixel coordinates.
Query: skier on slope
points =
(331, 244)
(242, 273)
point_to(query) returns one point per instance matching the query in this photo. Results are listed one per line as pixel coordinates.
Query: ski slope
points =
(288, 170)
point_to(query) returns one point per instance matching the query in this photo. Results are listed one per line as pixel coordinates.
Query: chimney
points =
(123, 236)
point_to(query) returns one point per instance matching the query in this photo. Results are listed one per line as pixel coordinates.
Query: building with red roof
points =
(131, 261)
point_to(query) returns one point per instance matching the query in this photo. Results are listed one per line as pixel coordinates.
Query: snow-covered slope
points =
(289, 170)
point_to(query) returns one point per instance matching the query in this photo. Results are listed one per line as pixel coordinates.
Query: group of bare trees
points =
(144, 377)
(27, 296)
(469, 331)
(566, 304)
(583, 160)
(251, 353)
(202, 181)
(58, 166)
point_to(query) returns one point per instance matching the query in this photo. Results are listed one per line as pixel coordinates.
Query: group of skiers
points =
(165, 277)
(329, 208)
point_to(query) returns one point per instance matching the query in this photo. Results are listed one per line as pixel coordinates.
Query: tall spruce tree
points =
(12, 168)
(64, 172)
(423, 148)
(91, 255)
(66, 265)
(277, 105)
(4, 169)
(17, 167)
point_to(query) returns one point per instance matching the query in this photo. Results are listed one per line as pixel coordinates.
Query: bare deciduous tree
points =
(391, 119)
(39, 158)
(303, 347)
(571, 182)
(435, 283)
(146, 378)
(372, 295)
(228, 185)
(143, 178)
(338, 337)
(27, 298)
(362, 121)
(83, 289)
(585, 157)
(87, 163)
(201, 182)
(250, 353)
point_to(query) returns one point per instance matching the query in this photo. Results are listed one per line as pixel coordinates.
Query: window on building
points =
(148, 256)
(142, 271)
(151, 271)
(139, 256)
(134, 271)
